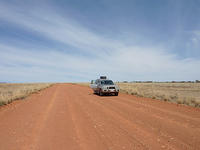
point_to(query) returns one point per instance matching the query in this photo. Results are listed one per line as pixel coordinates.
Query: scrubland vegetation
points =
(181, 93)
(11, 92)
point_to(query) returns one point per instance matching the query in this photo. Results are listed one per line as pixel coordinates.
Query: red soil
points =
(68, 116)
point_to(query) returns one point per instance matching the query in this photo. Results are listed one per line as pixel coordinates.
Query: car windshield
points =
(107, 82)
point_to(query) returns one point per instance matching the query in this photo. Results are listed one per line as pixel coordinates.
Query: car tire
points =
(116, 94)
(100, 93)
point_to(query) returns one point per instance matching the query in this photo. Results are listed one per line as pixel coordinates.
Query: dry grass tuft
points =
(11, 92)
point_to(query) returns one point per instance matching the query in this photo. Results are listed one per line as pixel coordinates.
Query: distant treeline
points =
(196, 81)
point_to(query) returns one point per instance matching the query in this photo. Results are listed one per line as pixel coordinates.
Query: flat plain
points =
(69, 116)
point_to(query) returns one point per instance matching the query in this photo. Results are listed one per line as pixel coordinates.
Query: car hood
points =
(108, 86)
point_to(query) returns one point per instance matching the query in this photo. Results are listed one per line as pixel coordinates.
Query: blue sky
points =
(76, 40)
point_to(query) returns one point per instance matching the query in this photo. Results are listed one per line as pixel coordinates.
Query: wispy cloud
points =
(99, 55)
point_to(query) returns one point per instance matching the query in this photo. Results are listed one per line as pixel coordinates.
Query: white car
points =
(104, 86)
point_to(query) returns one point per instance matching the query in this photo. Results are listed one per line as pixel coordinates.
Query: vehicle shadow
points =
(105, 95)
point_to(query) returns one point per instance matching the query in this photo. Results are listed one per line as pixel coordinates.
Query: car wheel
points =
(100, 93)
(116, 94)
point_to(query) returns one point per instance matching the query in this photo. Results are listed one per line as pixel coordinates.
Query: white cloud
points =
(56, 27)
(109, 56)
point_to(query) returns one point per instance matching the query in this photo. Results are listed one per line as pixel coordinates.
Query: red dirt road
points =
(71, 117)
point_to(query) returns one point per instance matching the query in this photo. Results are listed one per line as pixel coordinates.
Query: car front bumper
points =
(110, 91)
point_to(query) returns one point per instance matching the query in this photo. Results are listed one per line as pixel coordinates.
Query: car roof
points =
(103, 79)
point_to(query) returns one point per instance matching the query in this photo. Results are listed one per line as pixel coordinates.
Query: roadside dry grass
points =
(181, 93)
(11, 92)
(83, 83)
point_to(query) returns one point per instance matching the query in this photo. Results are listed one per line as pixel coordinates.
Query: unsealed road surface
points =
(71, 117)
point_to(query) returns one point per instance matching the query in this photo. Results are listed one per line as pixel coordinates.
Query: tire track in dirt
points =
(115, 135)
(88, 137)
(40, 124)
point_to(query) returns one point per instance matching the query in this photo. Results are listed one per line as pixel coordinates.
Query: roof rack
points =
(103, 77)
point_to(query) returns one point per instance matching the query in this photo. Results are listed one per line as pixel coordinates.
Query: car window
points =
(107, 82)
(92, 81)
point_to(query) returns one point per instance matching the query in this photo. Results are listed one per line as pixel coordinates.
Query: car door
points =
(93, 85)
(98, 86)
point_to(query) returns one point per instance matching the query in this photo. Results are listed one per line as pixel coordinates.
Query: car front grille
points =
(111, 87)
